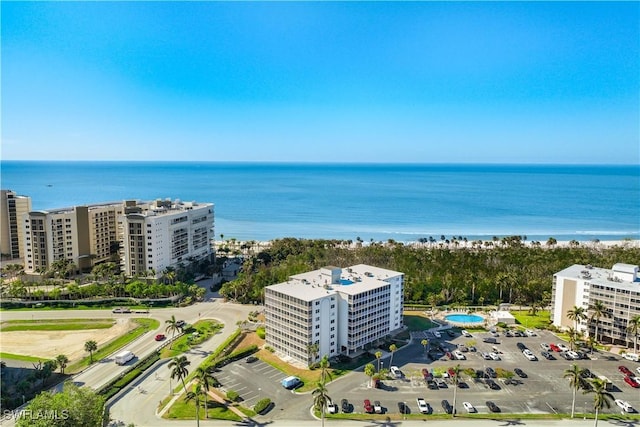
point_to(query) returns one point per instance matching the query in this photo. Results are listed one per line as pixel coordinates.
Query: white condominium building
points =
(581, 285)
(339, 310)
(12, 208)
(163, 234)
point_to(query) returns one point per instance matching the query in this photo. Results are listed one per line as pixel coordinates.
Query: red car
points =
(451, 372)
(555, 348)
(367, 406)
(625, 370)
(160, 337)
(633, 383)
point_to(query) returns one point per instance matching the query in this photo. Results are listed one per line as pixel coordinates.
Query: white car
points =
(494, 356)
(469, 407)
(332, 408)
(562, 347)
(545, 346)
(395, 371)
(624, 405)
(638, 369)
(485, 356)
(530, 333)
(573, 354)
(529, 355)
(437, 334)
(458, 355)
(422, 405)
(377, 407)
(466, 333)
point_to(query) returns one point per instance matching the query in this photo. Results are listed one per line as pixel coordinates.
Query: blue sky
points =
(497, 82)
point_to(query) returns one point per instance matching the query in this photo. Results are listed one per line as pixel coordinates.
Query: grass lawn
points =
(144, 326)
(206, 329)
(539, 321)
(417, 321)
(183, 410)
(56, 325)
(19, 357)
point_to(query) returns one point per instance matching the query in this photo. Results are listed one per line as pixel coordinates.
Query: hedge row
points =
(115, 386)
(236, 355)
(262, 405)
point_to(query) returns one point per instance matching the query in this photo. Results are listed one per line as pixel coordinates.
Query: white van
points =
(634, 357)
(395, 372)
(123, 357)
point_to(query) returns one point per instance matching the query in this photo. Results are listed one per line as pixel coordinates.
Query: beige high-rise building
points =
(12, 208)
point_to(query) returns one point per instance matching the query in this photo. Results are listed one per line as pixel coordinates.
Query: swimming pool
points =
(346, 282)
(464, 318)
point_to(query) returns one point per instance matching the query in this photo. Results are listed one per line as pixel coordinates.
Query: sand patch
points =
(49, 344)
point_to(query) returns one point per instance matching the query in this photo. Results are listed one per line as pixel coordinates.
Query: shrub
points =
(262, 405)
(261, 332)
(233, 395)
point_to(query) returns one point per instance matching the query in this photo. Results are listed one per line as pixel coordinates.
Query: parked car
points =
(377, 407)
(566, 355)
(368, 408)
(520, 373)
(466, 333)
(638, 369)
(492, 384)
(624, 405)
(422, 405)
(180, 323)
(447, 406)
(344, 404)
(332, 408)
(586, 373)
(469, 407)
(490, 340)
(458, 355)
(426, 374)
(632, 382)
(395, 372)
(440, 382)
(545, 346)
(492, 406)
(491, 372)
(573, 355)
(251, 359)
(530, 333)
(625, 370)
(432, 385)
(437, 334)
(402, 408)
(529, 355)
(160, 337)
(494, 356)
(521, 346)
(547, 355)
(485, 355)
(562, 347)
(508, 334)
(555, 348)
(518, 334)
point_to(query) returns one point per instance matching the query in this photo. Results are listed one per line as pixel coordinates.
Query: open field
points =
(47, 344)
(55, 325)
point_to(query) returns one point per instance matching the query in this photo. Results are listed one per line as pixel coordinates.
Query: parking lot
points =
(544, 390)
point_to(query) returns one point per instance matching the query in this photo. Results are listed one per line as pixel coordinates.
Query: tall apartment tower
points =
(339, 311)
(12, 208)
(84, 235)
(164, 234)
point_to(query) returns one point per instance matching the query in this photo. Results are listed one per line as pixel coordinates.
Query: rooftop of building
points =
(317, 284)
(604, 276)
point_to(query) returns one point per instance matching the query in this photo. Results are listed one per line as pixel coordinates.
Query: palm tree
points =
(206, 380)
(456, 379)
(425, 343)
(312, 350)
(198, 390)
(576, 314)
(321, 399)
(576, 382)
(378, 357)
(573, 337)
(601, 397)
(90, 346)
(324, 369)
(392, 349)
(634, 327)
(179, 365)
(598, 309)
(173, 327)
(63, 361)
(370, 370)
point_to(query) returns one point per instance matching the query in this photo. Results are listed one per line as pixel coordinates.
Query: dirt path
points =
(49, 344)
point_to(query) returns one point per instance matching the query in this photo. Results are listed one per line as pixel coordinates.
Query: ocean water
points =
(264, 201)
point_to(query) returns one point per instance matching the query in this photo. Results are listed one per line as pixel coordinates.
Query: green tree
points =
(74, 406)
(179, 369)
(598, 309)
(577, 314)
(324, 369)
(172, 327)
(576, 382)
(456, 379)
(196, 394)
(634, 327)
(392, 349)
(312, 351)
(378, 355)
(321, 399)
(601, 397)
(90, 346)
(63, 361)
(206, 380)
(425, 343)
(370, 370)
